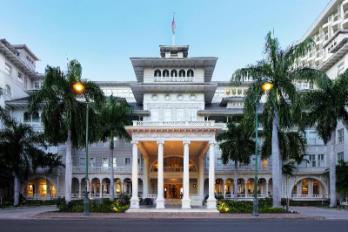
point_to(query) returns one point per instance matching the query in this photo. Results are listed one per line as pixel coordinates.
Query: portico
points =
(174, 166)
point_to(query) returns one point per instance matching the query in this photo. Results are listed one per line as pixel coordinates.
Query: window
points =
(321, 160)
(8, 69)
(26, 117)
(82, 162)
(157, 73)
(173, 73)
(92, 162)
(114, 162)
(340, 156)
(165, 73)
(35, 116)
(182, 73)
(105, 163)
(340, 136)
(127, 161)
(20, 76)
(340, 68)
(312, 161)
(37, 85)
(190, 73)
(8, 91)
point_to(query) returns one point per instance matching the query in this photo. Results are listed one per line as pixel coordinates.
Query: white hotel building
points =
(173, 157)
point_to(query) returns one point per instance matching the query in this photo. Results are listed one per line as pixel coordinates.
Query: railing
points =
(82, 169)
(174, 123)
(307, 196)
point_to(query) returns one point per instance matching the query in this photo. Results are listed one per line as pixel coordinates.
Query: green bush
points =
(105, 205)
(231, 206)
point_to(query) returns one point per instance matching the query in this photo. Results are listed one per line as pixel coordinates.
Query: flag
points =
(173, 25)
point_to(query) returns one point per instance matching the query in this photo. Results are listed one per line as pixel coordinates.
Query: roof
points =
(11, 54)
(225, 100)
(25, 47)
(140, 63)
(174, 48)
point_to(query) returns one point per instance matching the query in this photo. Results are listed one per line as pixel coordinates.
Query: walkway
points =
(25, 212)
(326, 213)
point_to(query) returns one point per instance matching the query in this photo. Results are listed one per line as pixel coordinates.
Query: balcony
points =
(103, 170)
(174, 123)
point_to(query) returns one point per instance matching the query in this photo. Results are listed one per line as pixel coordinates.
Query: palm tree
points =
(279, 68)
(22, 151)
(330, 98)
(237, 145)
(63, 116)
(114, 115)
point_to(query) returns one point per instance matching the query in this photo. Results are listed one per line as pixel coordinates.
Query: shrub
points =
(104, 205)
(231, 206)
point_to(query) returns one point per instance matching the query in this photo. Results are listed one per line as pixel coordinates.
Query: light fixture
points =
(78, 87)
(267, 86)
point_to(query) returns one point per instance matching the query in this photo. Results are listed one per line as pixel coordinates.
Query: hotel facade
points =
(173, 157)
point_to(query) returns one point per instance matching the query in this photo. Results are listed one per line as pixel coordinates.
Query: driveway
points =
(25, 212)
(326, 213)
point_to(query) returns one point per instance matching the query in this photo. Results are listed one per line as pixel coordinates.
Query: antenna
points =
(173, 29)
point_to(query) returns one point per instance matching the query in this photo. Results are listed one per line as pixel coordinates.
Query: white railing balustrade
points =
(174, 123)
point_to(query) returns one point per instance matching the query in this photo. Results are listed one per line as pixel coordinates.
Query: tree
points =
(22, 151)
(237, 145)
(63, 115)
(279, 68)
(326, 105)
(115, 114)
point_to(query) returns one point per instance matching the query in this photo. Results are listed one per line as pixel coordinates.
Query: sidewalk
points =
(326, 213)
(168, 215)
(25, 212)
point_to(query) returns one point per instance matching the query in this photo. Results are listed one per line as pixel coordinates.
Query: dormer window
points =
(173, 73)
(165, 73)
(157, 73)
(190, 73)
(182, 73)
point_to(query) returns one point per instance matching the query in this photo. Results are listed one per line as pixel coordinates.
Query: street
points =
(169, 225)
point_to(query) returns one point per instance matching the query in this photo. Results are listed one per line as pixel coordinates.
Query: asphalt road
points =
(169, 225)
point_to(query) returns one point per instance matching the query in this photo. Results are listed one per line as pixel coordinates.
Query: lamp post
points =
(267, 86)
(79, 88)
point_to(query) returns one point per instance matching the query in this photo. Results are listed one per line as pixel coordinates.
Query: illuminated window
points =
(304, 186)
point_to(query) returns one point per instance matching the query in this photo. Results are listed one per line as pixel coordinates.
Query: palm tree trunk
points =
(276, 168)
(68, 168)
(235, 182)
(111, 158)
(332, 170)
(16, 190)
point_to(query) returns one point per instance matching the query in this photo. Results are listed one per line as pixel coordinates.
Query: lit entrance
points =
(173, 189)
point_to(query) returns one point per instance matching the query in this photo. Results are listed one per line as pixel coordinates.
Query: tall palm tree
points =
(237, 145)
(330, 98)
(279, 68)
(115, 114)
(22, 151)
(63, 115)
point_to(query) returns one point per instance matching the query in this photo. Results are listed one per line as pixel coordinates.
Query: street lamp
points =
(266, 86)
(79, 88)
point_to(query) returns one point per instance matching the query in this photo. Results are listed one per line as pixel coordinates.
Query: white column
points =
(134, 199)
(80, 188)
(160, 198)
(101, 189)
(245, 188)
(211, 202)
(267, 182)
(146, 177)
(201, 178)
(186, 202)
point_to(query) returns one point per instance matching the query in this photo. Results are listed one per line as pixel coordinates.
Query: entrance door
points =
(173, 191)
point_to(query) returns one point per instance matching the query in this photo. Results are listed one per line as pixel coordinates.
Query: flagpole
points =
(173, 29)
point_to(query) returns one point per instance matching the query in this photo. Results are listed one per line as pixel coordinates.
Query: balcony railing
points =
(174, 123)
(122, 169)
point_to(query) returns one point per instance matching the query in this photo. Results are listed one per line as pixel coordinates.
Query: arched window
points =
(26, 117)
(35, 116)
(181, 73)
(173, 73)
(157, 73)
(8, 91)
(165, 73)
(190, 73)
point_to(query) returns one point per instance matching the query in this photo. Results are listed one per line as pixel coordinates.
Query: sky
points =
(103, 34)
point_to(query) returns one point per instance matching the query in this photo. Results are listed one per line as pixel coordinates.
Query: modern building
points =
(173, 157)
